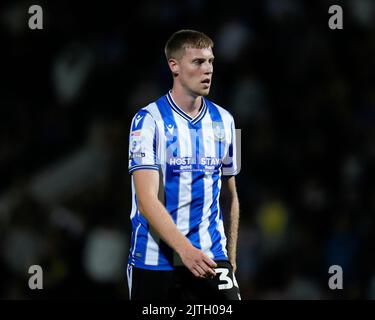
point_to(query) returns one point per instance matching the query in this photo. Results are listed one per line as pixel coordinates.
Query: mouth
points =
(206, 81)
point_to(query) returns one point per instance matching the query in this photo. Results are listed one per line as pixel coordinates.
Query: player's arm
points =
(146, 186)
(231, 214)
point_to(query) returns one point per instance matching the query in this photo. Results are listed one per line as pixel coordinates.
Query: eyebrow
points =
(202, 59)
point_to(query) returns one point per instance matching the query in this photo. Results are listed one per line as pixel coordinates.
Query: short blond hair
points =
(182, 39)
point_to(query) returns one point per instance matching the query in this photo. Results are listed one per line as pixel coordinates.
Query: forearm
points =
(232, 228)
(160, 220)
(231, 213)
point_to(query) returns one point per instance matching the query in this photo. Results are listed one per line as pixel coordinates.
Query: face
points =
(194, 70)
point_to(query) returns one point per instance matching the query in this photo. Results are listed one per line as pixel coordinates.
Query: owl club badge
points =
(219, 132)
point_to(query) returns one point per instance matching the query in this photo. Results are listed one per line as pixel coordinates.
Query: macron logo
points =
(137, 119)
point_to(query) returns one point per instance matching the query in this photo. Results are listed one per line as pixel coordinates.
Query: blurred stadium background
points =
(302, 94)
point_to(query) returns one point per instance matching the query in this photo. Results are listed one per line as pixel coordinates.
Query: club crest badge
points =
(219, 132)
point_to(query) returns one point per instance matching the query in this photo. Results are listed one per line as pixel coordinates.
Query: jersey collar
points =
(183, 114)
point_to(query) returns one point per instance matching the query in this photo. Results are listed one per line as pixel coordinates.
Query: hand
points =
(198, 263)
(234, 265)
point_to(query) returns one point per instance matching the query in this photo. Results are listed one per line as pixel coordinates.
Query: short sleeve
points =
(143, 143)
(230, 162)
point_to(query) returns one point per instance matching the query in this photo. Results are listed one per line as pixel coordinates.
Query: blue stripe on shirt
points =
(172, 181)
(219, 147)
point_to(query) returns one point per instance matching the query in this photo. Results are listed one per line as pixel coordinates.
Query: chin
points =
(200, 92)
(204, 92)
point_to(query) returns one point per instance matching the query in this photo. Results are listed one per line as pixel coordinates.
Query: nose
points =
(208, 68)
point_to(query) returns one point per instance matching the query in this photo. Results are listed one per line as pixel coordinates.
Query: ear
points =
(174, 66)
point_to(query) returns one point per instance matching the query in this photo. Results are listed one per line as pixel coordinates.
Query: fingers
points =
(205, 271)
(196, 273)
(211, 263)
(200, 264)
(208, 266)
(201, 271)
(210, 272)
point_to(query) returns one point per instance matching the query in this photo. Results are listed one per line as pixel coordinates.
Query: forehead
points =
(192, 53)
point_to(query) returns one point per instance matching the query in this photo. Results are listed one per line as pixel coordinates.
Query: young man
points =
(180, 147)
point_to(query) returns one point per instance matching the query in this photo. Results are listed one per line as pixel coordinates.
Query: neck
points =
(190, 104)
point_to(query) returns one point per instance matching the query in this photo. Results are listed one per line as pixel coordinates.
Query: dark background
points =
(302, 94)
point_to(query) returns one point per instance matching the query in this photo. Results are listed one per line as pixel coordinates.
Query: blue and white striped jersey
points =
(191, 155)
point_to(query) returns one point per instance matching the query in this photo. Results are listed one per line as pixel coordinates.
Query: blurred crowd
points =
(303, 96)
